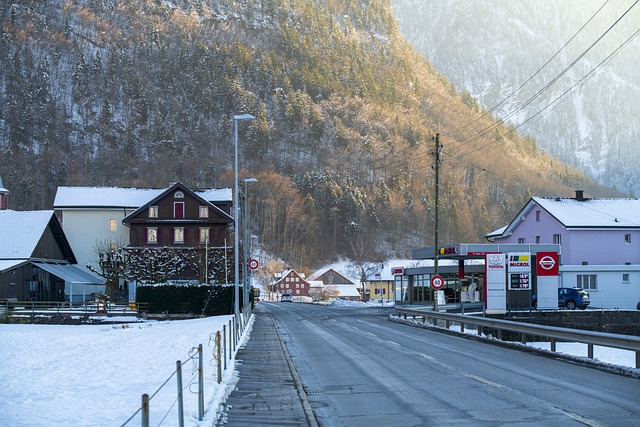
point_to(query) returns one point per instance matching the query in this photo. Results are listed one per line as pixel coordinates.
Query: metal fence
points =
(225, 346)
(552, 333)
(15, 308)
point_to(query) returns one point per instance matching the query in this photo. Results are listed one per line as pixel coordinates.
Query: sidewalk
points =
(267, 391)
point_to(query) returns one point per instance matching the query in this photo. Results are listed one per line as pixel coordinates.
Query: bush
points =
(186, 299)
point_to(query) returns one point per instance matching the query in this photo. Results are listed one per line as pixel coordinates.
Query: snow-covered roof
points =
(315, 283)
(346, 290)
(21, 231)
(2, 189)
(10, 264)
(117, 197)
(618, 213)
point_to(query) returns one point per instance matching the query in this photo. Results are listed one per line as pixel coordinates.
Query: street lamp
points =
(236, 293)
(245, 244)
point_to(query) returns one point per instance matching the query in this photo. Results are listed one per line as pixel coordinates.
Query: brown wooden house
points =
(178, 218)
(293, 283)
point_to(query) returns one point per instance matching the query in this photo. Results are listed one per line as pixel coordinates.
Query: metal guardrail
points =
(553, 333)
(12, 307)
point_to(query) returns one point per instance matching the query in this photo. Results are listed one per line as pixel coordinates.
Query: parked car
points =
(286, 298)
(570, 298)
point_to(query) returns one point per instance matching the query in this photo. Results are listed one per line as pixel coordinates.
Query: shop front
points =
(464, 272)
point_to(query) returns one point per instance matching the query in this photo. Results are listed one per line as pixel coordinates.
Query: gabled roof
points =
(22, 230)
(287, 273)
(343, 280)
(2, 189)
(585, 213)
(170, 190)
(118, 198)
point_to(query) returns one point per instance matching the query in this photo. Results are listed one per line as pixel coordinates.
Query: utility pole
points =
(438, 159)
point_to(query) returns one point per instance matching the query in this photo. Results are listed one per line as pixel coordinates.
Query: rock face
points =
(581, 106)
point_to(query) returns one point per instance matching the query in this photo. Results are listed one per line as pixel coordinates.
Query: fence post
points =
(180, 401)
(230, 339)
(590, 351)
(145, 410)
(219, 357)
(224, 339)
(200, 385)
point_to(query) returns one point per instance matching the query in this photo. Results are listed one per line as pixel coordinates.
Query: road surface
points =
(359, 369)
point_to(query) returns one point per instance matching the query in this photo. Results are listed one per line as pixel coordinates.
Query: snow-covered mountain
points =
(582, 106)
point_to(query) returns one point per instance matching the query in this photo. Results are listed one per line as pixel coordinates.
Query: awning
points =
(70, 273)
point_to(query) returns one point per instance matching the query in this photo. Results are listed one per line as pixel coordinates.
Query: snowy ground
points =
(95, 375)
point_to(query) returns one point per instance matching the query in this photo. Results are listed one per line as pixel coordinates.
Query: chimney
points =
(3, 196)
(580, 195)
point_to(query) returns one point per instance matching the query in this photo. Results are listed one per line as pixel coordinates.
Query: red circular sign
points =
(253, 264)
(437, 282)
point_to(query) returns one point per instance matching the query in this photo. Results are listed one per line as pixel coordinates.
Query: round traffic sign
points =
(253, 264)
(437, 282)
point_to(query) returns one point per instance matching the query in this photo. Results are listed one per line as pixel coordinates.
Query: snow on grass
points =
(90, 375)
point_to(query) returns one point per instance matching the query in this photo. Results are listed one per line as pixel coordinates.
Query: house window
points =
(537, 239)
(178, 210)
(520, 240)
(627, 238)
(113, 247)
(587, 281)
(113, 225)
(625, 277)
(204, 234)
(153, 212)
(204, 212)
(178, 235)
(556, 239)
(537, 216)
(152, 235)
(178, 195)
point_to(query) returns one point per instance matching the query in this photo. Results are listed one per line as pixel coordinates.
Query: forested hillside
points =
(142, 93)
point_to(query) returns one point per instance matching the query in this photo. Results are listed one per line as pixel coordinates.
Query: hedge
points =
(187, 299)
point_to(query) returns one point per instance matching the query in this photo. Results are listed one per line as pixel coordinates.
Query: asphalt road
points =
(358, 369)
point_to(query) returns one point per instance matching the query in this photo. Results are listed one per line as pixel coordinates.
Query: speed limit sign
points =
(253, 264)
(437, 282)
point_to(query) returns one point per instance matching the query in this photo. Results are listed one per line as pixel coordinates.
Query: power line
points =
(548, 85)
(534, 74)
(563, 94)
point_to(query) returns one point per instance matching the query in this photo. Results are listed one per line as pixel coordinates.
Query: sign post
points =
(496, 283)
(547, 270)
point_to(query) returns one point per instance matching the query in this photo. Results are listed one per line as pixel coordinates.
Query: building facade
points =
(599, 240)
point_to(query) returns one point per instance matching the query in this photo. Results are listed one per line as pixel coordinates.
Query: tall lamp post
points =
(245, 245)
(236, 292)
